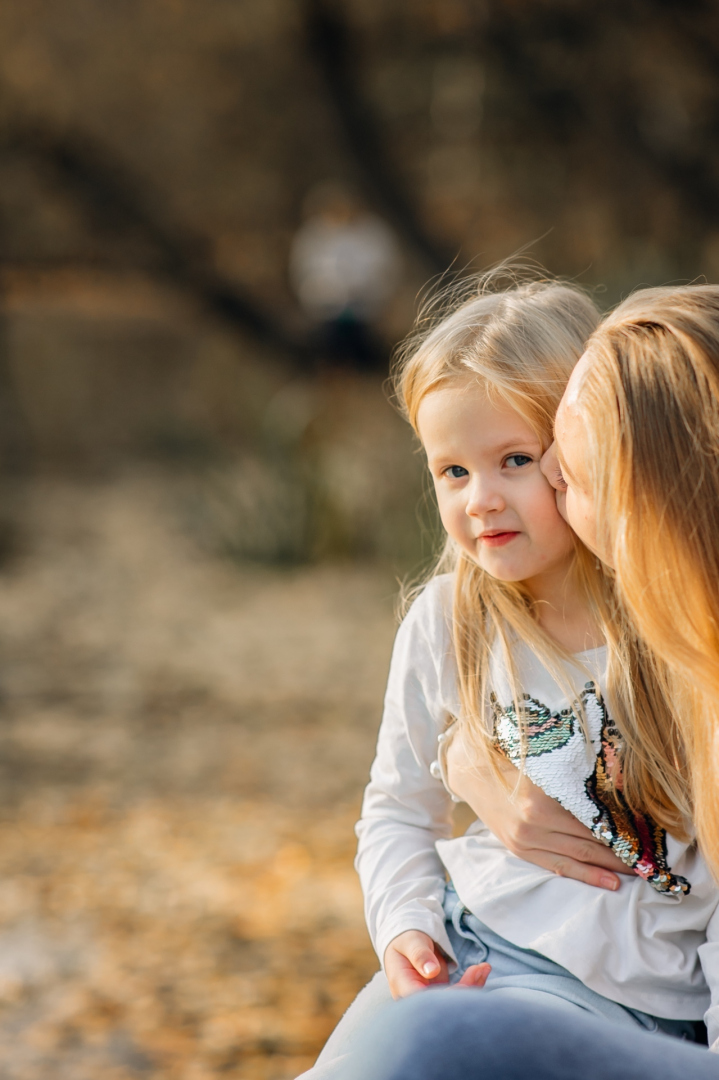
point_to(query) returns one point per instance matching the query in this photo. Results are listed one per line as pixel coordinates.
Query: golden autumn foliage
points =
(183, 746)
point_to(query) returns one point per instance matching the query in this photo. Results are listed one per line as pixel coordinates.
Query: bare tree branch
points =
(563, 110)
(108, 189)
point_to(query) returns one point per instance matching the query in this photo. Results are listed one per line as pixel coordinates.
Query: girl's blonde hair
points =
(521, 345)
(649, 400)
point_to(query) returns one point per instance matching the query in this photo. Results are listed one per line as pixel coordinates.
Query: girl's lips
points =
(498, 539)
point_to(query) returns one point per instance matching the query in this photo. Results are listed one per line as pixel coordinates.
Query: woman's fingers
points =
(590, 851)
(564, 866)
(544, 825)
(531, 824)
(538, 811)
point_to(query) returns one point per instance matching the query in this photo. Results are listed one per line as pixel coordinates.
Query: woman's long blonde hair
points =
(520, 345)
(649, 400)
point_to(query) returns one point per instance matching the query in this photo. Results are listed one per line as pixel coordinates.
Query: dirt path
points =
(183, 747)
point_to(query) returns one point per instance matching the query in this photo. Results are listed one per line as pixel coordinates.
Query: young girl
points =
(510, 645)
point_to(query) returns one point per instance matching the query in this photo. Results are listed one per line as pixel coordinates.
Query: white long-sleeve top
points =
(652, 945)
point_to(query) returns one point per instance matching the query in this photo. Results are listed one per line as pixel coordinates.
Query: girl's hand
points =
(532, 825)
(412, 962)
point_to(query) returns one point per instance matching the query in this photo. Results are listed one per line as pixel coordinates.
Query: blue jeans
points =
(524, 975)
(468, 1035)
(519, 977)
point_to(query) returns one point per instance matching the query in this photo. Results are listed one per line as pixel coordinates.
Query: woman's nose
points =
(549, 464)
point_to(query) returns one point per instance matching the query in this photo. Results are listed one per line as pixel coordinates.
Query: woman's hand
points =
(530, 824)
(412, 962)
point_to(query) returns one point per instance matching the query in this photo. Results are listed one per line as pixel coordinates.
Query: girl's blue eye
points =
(518, 459)
(456, 472)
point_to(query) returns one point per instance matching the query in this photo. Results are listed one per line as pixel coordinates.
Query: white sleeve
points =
(405, 809)
(709, 956)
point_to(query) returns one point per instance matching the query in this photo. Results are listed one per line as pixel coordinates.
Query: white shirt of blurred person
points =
(344, 266)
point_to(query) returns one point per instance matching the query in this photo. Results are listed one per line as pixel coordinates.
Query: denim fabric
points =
(452, 1035)
(524, 974)
(520, 977)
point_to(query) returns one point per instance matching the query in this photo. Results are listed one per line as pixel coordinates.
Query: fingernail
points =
(429, 969)
(609, 882)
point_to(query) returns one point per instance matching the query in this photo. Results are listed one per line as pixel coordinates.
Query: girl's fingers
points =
(424, 961)
(411, 963)
(402, 977)
(475, 976)
(404, 983)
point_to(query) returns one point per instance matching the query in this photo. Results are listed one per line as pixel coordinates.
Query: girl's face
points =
(565, 467)
(493, 499)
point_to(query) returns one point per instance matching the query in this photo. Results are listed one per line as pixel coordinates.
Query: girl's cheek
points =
(549, 501)
(560, 501)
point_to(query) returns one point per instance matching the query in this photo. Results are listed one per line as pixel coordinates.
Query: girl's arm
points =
(405, 809)
(529, 823)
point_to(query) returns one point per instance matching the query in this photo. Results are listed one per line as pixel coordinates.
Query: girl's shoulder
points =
(431, 610)
(425, 647)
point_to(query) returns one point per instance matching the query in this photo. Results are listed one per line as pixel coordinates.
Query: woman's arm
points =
(529, 823)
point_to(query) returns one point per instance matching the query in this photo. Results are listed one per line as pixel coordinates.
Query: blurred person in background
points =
(344, 268)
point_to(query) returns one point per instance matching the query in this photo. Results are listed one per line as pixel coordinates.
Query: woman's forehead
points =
(570, 443)
(574, 385)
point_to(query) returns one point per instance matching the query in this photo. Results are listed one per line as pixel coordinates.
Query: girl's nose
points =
(482, 498)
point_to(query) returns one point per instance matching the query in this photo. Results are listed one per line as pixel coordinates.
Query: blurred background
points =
(216, 220)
